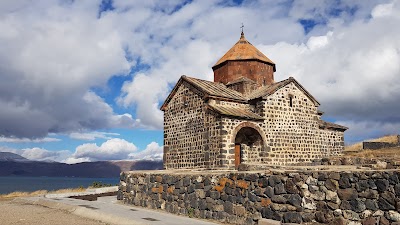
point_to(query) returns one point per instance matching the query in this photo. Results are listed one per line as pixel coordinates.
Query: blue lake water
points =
(28, 184)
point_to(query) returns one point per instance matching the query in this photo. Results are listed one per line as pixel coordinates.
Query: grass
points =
(392, 153)
(17, 194)
(358, 146)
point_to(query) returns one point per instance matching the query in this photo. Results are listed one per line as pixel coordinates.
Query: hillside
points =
(358, 146)
(8, 156)
(357, 151)
(12, 165)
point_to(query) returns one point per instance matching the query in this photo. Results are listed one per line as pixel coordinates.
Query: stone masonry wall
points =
(293, 132)
(358, 197)
(190, 132)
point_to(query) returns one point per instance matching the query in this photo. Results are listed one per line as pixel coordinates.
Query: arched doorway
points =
(248, 145)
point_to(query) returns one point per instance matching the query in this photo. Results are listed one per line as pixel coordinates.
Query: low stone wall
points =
(358, 197)
(378, 145)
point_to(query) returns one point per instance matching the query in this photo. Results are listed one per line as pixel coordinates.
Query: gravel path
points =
(20, 214)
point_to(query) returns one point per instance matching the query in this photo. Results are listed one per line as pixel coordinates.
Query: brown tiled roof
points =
(331, 126)
(210, 89)
(235, 112)
(214, 89)
(265, 91)
(244, 50)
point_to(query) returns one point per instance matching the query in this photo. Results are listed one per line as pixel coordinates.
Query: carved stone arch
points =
(249, 141)
(251, 125)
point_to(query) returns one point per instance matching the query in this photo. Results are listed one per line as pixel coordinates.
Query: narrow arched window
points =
(290, 100)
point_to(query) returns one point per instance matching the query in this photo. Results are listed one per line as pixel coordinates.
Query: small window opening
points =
(264, 82)
(291, 101)
(184, 100)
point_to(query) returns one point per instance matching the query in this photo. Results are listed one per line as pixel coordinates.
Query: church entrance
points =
(248, 145)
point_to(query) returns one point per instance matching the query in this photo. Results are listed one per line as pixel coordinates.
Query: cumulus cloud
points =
(54, 53)
(153, 151)
(39, 154)
(113, 149)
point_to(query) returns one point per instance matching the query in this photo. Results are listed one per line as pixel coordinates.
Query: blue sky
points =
(84, 80)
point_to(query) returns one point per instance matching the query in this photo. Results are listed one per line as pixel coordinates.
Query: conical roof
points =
(244, 50)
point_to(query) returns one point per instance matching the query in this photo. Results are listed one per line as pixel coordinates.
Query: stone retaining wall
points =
(380, 145)
(359, 197)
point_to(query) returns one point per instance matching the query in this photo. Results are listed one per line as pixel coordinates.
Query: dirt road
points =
(21, 214)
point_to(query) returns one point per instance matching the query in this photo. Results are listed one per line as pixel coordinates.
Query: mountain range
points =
(15, 165)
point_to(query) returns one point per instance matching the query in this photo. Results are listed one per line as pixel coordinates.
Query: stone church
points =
(245, 117)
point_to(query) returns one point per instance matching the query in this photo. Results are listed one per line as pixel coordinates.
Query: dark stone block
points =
(270, 214)
(280, 189)
(382, 185)
(372, 185)
(308, 217)
(295, 200)
(332, 205)
(362, 185)
(345, 205)
(331, 184)
(202, 204)
(397, 190)
(321, 205)
(347, 194)
(385, 205)
(322, 176)
(274, 180)
(369, 193)
(186, 181)
(215, 194)
(264, 182)
(292, 217)
(388, 196)
(371, 204)
(279, 199)
(228, 207)
(393, 179)
(254, 198)
(320, 217)
(269, 191)
(291, 187)
(191, 189)
(344, 182)
(251, 177)
(370, 221)
(357, 205)
(224, 196)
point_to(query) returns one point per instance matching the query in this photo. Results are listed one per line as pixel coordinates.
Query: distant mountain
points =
(25, 167)
(8, 156)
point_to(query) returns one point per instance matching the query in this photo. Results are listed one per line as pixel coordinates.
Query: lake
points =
(29, 184)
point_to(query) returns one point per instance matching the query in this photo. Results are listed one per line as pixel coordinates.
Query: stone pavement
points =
(110, 210)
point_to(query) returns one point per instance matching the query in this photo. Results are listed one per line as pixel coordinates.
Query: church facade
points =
(245, 117)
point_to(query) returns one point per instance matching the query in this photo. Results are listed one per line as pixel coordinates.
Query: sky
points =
(84, 80)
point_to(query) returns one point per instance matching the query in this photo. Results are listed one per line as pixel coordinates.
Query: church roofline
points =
(266, 91)
(243, 50)
(208, 88)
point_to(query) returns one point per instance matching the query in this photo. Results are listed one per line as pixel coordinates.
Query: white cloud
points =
(72, 160)
(153, 151)
(54, 53)
(27, 140)
(39, 154)
(113, 149)
(92, 135)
